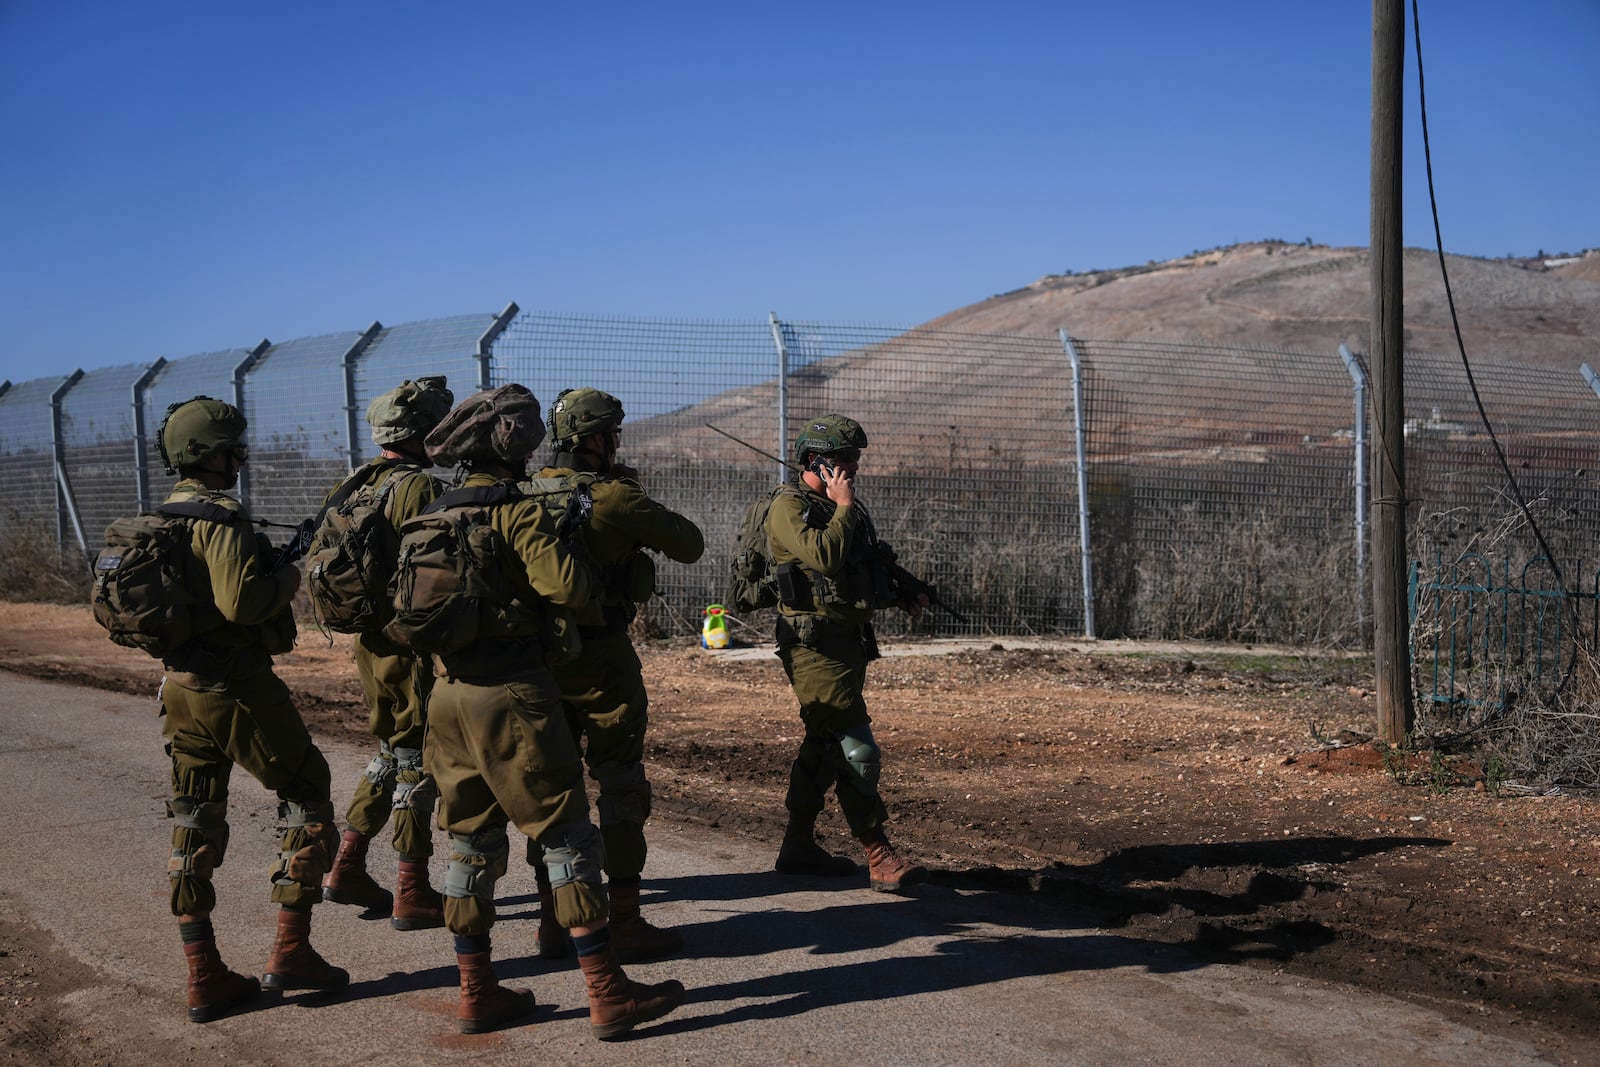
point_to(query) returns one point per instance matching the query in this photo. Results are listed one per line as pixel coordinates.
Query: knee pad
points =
(862, 758)
(624, 797)
(414, 788)
(476, 863)
(208, 819)
(199, 843)
(381, 771)
(573, 852)
(309, 844)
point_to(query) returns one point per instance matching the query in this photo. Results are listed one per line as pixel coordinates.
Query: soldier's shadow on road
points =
(993, 925)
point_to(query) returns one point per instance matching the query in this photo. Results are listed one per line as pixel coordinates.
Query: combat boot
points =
(485, 1003)
(417, 905)
(617, 1003)
(294, 964)
(887, 872)
(214, 991)
(348, 882)
(800, 854)
(633, 939)
(553, 941)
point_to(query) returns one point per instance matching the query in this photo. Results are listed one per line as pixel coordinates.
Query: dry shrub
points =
(1265, 577)
(1503, 666)
(33, 567)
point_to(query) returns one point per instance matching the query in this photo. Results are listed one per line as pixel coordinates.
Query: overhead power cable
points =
(1461, 347)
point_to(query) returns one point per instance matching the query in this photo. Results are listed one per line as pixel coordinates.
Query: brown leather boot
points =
(800, 854)
(887, 872)
(553, 941)
(633, 939)
(617, 1003)
(485, 1003)
(348, 882)
(294, 964)
(214, 991)
(417, 906)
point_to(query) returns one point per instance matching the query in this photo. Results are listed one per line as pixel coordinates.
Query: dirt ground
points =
(1221, 799)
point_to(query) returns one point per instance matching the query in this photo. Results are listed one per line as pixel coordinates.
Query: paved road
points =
(777, 971)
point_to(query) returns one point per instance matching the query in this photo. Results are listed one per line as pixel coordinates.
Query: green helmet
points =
(831, 433)
(577, 413)
(409, 410)
(199, 427)
(495, 424)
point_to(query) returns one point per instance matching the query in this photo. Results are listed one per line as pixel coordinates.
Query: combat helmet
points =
(829, 434)
(199, 427)
(409, 410)
(577, 413)
(496, 425)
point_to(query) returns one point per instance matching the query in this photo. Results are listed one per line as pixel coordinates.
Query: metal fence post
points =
(1083, 485)
(1358, 376)
(782, 394)
(1590, 377)
(141, 437)
(239, 374)
(352, 424)
(485, 353)
(66, 502)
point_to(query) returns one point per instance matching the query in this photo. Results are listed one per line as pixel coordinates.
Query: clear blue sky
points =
(185, 177)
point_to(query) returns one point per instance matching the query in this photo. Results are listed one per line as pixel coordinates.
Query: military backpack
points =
(753, 578)
(570, 498)
(140, 595)
(354, 552)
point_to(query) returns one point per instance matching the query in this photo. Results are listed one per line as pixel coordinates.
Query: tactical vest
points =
(862, 583)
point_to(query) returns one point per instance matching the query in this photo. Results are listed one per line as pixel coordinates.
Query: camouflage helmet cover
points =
(830, 433)
(577, 413)
(409, 410)
(199, 427)
(496, 424)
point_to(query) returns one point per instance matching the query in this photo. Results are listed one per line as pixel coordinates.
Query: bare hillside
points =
(1310, 299)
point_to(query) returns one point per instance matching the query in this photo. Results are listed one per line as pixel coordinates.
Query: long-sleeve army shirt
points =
(624, 522)
(805, 527)
(244, 614)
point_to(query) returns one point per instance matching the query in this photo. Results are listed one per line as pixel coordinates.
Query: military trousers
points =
(251, 722)
(396, 683)
(828, 672)
(608, 712)
(504, 753)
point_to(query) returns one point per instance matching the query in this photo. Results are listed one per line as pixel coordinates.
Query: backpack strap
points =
(482, 496)
(195, 509)
(352, 484)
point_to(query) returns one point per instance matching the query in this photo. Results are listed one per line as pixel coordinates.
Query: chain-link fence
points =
(1221, 489)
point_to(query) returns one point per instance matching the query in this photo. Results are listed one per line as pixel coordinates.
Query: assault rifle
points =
(908, 585)
(298, 544)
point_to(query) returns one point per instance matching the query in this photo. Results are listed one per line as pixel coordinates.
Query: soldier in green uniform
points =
(831, 576)
(500, 747)
(223, 706)
(603, 688)
(396, 683)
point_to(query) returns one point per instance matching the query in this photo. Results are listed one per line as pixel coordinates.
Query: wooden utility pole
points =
(1391, 622)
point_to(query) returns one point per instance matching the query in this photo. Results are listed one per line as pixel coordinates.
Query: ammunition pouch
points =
(617, 618)
(636, 578)
(794, 587)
